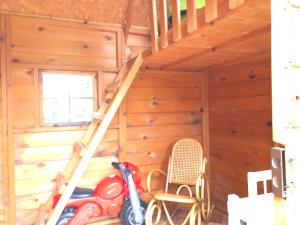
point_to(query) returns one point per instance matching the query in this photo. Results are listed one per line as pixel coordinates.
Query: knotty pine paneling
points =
(43, 41)
(162, 107)
(22, 87)
(41, 152)
(240, 126)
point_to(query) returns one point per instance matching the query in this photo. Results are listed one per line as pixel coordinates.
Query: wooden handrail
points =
(128, 20)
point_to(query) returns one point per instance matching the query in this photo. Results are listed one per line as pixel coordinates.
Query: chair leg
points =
(152, 207)
(154, 212)
(233, 210)
(167, 213)
(195, 217)
(206, 206)
(187, 218)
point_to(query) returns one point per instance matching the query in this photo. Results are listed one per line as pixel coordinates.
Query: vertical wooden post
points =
(285, 99)
(163, 23)
(205, 116)
(128, 20)
(7, 141)
(191, 15)
(11, 157)
(282, 71)
(5, 186)
(211, 10)
(154, 29)
(176, 21)
(120, 49)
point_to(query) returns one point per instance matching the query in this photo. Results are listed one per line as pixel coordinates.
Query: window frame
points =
(93, 74)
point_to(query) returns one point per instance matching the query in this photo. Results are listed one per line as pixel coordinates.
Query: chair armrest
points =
(150, 176)
(204, 163)
(199, 182)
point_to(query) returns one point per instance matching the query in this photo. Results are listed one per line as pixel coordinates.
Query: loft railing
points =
(159, 19)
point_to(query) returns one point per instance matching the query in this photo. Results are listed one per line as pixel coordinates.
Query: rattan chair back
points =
(185, 163)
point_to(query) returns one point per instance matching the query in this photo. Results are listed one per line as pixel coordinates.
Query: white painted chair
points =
(255, 177)
(254, 209)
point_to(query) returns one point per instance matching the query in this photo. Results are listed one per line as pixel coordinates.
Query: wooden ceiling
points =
(236, 35)
(110, 11)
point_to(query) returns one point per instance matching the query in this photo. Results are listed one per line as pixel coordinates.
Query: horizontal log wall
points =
(240, 126)
(162, 107)
(41, 152)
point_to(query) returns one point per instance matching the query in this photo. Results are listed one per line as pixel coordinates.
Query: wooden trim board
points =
(7, 147)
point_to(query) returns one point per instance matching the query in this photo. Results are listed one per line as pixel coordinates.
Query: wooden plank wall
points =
(1, 180)
(1, 132)
(240, 126)
(41, 152)
(162, 107)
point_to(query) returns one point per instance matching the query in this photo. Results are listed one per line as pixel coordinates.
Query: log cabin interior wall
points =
(235, 50)
(240, 125)
(160, 108)
(41, 152)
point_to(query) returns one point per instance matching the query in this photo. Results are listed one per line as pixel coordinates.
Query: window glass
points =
(67, 98)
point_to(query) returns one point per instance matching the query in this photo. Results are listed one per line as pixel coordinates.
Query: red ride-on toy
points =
(112, 195)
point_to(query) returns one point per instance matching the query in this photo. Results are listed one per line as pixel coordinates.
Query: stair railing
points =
(161, 23)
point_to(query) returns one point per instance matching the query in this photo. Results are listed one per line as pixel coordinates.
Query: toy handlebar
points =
(116, 165)
(125, 171)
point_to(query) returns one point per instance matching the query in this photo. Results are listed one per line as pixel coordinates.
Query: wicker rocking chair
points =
(186, 169)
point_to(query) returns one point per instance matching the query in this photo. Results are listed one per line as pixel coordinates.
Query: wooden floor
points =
(217, 218)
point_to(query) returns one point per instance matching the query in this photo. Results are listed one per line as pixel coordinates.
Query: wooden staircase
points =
(83, 151)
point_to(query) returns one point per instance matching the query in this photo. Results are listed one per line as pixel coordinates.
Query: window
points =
(68, 98)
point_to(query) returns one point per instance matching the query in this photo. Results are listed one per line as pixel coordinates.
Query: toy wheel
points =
(66, 215)
(127, 216)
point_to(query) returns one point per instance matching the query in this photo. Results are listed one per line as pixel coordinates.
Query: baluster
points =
(163, 23)
(176, 21)
(211, 10)
(191, 15)
(154, 29)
